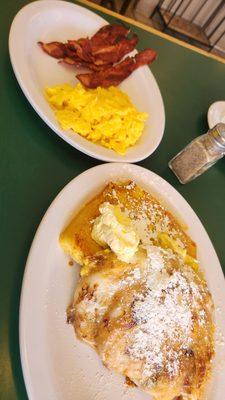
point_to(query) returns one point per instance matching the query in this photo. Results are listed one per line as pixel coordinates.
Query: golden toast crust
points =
(76, 239)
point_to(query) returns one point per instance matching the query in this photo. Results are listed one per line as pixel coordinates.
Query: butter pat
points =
(112, 228)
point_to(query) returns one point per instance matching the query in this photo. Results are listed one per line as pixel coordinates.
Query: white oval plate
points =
(58, 20)
(216, 113)
(55, 364)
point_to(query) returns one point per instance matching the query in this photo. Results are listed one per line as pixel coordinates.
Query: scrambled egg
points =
(103, 116)
(114, 229)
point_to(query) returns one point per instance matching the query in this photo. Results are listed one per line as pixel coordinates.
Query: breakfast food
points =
(142, 301)
(116, 74)
(152, 221)
(103, 116)
(108, 46)
(102, 54)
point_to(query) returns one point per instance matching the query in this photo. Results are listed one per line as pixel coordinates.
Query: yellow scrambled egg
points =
(103, 116)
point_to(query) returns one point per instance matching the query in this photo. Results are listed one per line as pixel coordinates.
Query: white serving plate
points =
(50, 20)
(55, 364)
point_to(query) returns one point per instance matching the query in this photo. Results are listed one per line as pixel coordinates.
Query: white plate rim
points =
(57, 130)
(28, 268)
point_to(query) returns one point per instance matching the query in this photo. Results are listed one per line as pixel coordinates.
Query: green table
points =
(36, 164)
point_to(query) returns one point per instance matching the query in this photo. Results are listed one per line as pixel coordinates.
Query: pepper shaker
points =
(200, 154)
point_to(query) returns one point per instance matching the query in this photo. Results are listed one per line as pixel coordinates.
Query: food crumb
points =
(128, 382)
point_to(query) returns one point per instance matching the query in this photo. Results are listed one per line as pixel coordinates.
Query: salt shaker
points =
(200, 154)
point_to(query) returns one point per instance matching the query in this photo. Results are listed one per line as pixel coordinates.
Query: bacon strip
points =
(116, 74)
(106, 47)
(67, 54)
(81, 64)
(82, 47)
(145, 57)
(114, 53)
(102, 54)
(111, 76)
(54, 49)
(109, 34)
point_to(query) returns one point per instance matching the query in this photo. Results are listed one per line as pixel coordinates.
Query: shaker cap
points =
(218, 132)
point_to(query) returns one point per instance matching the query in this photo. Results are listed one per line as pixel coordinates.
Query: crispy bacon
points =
(70, 61)
(107, 77)
(114, 53)
(102, 54)
(71, 53)
(106, 47)
(105, 54)
(116, 74)
(80, 64)
(109, 34)
(54, 49)
(145, 57)
(82, 47)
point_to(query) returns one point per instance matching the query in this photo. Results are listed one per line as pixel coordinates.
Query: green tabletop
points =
(36, 164)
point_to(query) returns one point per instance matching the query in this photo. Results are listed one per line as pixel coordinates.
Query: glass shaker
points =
(200, 154)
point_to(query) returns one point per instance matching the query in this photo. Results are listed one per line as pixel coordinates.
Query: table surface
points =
(36, 164)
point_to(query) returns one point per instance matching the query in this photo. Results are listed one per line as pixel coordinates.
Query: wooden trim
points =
(147, 28)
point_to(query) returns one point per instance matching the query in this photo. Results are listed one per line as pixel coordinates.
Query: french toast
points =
(153, 222)
(142, 302)
(152, 325)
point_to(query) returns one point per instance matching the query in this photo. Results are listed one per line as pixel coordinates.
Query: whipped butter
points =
(112, 228)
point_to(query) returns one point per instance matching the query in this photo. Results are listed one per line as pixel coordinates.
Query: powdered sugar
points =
(155, 257)
(163, 314)
(164, 307)
(134, 276)
(149, 218)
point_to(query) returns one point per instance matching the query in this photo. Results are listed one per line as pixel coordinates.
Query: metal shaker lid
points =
(218, 133)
